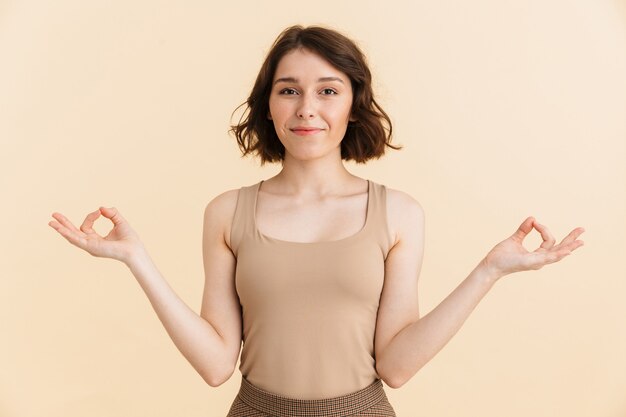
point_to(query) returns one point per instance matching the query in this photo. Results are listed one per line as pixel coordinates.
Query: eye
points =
(332, 92)
(286, 91)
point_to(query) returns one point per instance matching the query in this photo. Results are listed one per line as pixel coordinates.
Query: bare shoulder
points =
(405, 215)
(220, 211)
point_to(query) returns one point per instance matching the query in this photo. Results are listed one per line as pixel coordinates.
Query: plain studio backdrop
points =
(505, 109)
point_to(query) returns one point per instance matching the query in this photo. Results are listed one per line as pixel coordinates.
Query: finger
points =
(572, 246)
(87, 225)
(524, 229)
(571, 237)
(113, 214)
(575, 245)
(545, 258)
(552, 257)
(71, 234)
(555, 255)
(65, 223)
(548, 239)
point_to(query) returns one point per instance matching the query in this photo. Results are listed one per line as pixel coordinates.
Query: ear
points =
(269, 116)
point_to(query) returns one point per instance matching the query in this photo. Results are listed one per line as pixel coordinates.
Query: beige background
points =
(506, 109)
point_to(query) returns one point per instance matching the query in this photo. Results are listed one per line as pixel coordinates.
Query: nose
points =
(305, 108)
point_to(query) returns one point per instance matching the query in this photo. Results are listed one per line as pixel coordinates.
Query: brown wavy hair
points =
(364, 139)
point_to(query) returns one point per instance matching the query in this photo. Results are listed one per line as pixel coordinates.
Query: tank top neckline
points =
(356, 235)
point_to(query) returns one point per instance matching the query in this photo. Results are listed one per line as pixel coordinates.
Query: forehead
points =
(304, 65)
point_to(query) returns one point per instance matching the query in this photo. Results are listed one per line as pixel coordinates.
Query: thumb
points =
(113, 214)
(524, 229)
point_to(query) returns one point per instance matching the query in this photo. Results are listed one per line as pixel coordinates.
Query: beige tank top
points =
(309, 308)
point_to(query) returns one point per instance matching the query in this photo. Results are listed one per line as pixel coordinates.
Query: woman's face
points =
(310, 105)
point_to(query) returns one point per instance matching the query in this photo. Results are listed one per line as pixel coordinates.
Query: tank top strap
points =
(243, 221)
(378, 224)
(242, 224)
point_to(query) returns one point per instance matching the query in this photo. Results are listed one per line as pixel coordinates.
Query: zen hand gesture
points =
(510, 256)
(119, 244)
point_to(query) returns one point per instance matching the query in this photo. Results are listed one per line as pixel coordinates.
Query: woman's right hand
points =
(121, 242)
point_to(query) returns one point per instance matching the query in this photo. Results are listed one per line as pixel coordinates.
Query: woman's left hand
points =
(510, 256)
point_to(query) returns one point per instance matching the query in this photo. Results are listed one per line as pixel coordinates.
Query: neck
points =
(314, 177)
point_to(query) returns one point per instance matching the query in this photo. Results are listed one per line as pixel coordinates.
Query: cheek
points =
(279, 117)
(343, 110)
(278, 108)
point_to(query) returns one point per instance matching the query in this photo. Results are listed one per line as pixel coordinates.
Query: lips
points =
(304, 129)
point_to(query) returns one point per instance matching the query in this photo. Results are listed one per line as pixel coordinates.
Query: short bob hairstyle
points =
(365, 138)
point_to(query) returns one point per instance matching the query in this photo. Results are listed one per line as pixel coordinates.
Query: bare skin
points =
(314, 184)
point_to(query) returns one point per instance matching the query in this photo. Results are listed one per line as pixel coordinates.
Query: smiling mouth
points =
(307, 131)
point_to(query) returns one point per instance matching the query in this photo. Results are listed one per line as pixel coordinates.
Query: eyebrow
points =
(295, 80)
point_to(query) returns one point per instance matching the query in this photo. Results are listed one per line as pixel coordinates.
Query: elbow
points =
(216, 379)
(213, 382)
(394, 378)
(393, 382)
(221, 369)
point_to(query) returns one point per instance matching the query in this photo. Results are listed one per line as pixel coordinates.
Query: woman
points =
(315, 269)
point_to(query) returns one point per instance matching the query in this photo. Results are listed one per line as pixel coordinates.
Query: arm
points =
(196, 338)
(210, 342)
(416, 344)
(409, 342)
